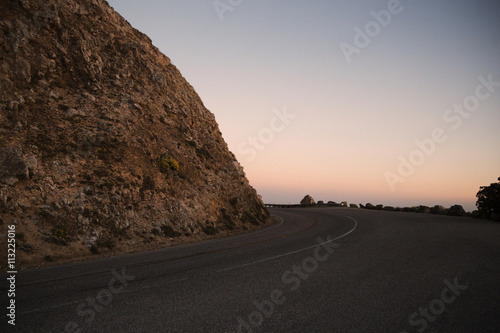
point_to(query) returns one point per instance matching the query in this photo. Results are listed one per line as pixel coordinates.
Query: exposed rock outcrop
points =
(103, 143)
(15, 165)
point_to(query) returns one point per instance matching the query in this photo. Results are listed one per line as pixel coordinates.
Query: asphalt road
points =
(315, 270)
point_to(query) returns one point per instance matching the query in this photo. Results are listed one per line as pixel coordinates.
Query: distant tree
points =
(488, 200)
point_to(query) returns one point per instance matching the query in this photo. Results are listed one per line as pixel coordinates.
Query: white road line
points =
(293, 252)
(222, 270)
(148, 287)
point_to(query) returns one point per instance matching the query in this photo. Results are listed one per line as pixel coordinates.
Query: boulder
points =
(307, 201)
(15, 165)
(389, 208)
(353, 206)
(70, 113)
(379, 207)
(343, 204)
(369, 206)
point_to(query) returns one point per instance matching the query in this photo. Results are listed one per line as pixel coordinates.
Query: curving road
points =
(315, 270)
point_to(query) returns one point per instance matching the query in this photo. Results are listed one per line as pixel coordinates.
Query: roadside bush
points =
(94, 249)
(209, 230)
(488, 201)
(107, 243)
(170, 232)
(166, 163)
(60, 232)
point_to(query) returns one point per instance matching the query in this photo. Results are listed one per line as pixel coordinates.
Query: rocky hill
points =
(104, 146)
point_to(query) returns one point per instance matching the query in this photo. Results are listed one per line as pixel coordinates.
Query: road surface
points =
(315, 270)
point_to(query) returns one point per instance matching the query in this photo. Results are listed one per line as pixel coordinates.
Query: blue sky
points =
(302, 118)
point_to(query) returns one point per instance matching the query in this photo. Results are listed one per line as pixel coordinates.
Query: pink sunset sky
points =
(392, 102)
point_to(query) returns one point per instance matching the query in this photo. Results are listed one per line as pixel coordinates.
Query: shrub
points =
(247, 217)
(488, 200)
(20, 236)
(86, 177)
(254, 221)
(59, 235)
(101, 173)
(229, 224)
(60, 232)
(107, 243)
(209, 230)
(94, 249)
(108, 185)
(166, 163)
(170, 232)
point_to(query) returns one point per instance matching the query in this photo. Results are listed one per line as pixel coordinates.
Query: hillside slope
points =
(104, 146)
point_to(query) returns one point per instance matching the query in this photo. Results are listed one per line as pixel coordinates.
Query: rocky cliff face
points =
(103, 143)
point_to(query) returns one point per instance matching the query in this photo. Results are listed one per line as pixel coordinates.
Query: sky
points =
(388, 102)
